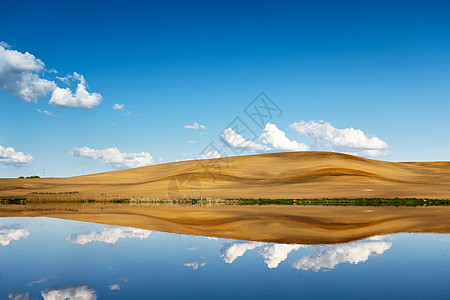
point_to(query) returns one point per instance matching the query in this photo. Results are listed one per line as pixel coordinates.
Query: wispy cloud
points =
(195, 126)
(120, 107)
(195, 264)
(45, 112)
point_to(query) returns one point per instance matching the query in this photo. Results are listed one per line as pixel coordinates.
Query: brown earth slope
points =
(275, 175)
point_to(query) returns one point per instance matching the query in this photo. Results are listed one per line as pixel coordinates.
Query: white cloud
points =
(73, 293)
(118, 106)
(230, 251)
(323, 136)
(237, 141)
(21, 296)
(327, 257)
(5, 45)
(277, 140)
(45, 112)
(109, 235)
(9, 157)
(38, 281)
(19, 75)
(276, 253)
(160, 159)
(272, 138)
(210, 154)
(81, 99)
(116, 286)
(121, 108)
(194, 264)
(192, 142)
(114, 157)
(195, 126)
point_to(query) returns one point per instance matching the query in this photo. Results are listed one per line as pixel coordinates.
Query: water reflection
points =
(109, 235)
(12, 232)
(231, 251)
(327, 257)
(73, 292)
(276, 253)
(78, 260)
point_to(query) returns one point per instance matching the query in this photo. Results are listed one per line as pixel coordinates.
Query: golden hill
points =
(275, 175)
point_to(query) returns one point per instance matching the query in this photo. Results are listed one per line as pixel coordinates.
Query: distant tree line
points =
(34, 176)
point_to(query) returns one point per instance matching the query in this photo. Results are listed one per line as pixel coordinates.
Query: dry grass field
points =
(276, 175)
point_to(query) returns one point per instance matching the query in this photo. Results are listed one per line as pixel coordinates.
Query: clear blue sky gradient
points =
(379, 66)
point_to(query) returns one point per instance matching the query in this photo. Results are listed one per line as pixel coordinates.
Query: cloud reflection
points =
(73, 293)
(231, 251)
(274, 254)
(327, 257)
(24, 296)
(108, 235)
(13, 232)
(194, 264)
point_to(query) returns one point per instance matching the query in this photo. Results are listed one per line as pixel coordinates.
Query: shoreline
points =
(271, 223)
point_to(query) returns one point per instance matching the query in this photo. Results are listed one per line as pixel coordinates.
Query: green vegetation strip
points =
(347, 202)
(241, 201)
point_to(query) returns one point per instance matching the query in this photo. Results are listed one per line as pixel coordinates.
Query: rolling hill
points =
(276, 175)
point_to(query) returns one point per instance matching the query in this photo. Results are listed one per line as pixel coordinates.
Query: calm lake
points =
(45, 258)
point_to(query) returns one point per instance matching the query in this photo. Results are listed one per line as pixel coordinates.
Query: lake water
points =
(45, 258)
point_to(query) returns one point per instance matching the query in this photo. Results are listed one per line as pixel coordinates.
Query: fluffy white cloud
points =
(45, 112)
(194, 264)
(327, 257)
(230, 251)
(195, 126)
(210, 154)
(81, 99)
(10, 233)
(323, 136)
(20, 75)
(237, 141)
(108, 235)
(114, 157)
(277, 140)
(276, 253)
(272, 138)
(73, 293)
(9, 157)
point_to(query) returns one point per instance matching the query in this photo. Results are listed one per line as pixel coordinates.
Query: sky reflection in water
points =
(45, 258)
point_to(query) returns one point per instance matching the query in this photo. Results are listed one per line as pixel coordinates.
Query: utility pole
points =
(43, 172)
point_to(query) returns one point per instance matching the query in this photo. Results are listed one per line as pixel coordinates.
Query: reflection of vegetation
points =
(76, 197)
(347, 202)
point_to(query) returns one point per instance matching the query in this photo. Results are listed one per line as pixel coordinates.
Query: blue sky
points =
(378, 67)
